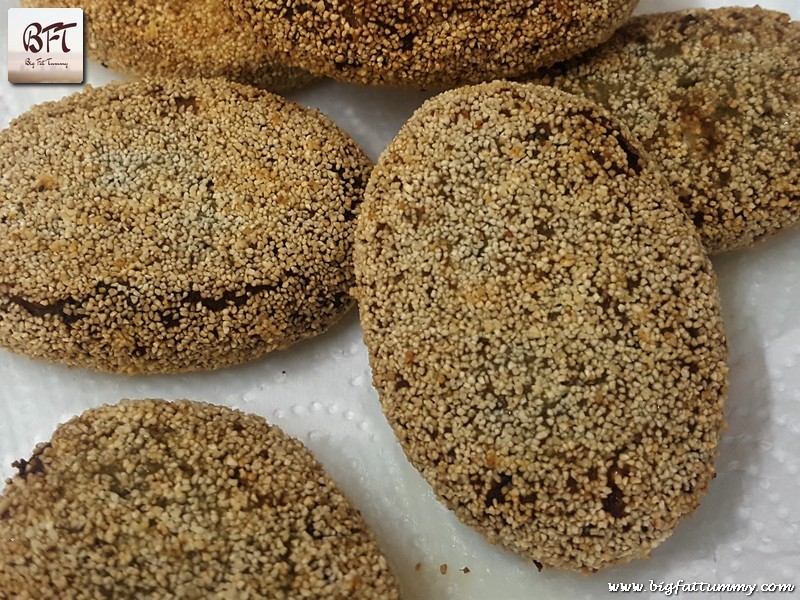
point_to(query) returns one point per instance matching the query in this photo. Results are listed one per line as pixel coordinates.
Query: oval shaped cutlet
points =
(178, 38)
(156, 499)
(429, 44)
(714, 96)
(543, 324)
(164, 226)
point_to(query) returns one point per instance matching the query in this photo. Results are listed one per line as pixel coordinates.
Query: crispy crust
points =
(543, 324)
(429, 44)
(151, 499)
(163, 226)
(714, 96)
(178, 38)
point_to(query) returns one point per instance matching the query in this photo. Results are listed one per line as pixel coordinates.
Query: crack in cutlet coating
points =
(429, 44)
(154, 499)
(178, 38)
(714, 96)
(543, 324)
(167, 225)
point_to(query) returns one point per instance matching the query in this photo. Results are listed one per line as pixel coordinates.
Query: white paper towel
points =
(747, 529)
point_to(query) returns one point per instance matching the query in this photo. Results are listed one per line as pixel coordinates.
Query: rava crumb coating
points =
(713, 97)
(429, 44)
(173, 225)
(156, 499)
(543, 324)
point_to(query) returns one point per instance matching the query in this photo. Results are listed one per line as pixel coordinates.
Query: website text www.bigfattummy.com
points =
(673, 588)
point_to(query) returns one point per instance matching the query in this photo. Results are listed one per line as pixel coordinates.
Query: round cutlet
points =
(156, 499)
(714, 96)
(429, 44)
(173, 225)
(178, 38)
(543, 324)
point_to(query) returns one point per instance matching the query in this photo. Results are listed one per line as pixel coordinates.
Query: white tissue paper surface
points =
(746, 531)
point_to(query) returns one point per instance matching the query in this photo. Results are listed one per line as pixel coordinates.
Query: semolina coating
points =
(430, 43)
(543, 325)
(178, 38)
(714, 97)
(153, 499)
(173, 225)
